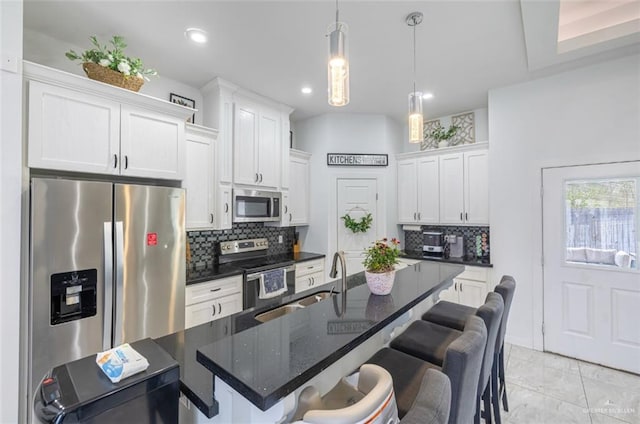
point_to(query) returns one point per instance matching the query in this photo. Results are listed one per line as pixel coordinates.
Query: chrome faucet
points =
(343, 269)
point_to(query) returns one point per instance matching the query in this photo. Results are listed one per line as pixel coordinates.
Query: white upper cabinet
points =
(151, 144)
(245, 144)
(449, 189)
(299, 196)
(69, 130)
(418, 190)
(80, 125)
(257, 144)
(464, 188)
(476, 183)
(407, 192)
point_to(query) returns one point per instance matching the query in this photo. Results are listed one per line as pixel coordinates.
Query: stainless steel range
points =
(266, 278)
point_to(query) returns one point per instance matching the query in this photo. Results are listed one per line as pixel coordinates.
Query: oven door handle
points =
(258, 275)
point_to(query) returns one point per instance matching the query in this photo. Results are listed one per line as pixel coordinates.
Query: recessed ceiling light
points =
(427, 96)
(306, 90)
(196, 35)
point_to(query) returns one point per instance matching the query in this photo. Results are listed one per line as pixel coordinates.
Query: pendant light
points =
(416, 120)
(338, 67)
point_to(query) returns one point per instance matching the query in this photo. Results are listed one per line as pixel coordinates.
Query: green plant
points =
(439, 134)
(382, 256)
(361, 226)
(114, 59)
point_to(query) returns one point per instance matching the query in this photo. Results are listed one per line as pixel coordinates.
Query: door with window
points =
(357, 198)
(591, 216)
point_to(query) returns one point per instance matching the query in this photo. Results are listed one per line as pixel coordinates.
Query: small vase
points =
(443, 143)
(380, 283)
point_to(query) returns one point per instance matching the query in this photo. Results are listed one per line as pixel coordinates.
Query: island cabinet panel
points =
(152, 144)
(72, 131)
(80, 125)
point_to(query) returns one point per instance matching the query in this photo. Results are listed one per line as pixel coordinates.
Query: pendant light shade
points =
(338, 64)
(416, 118)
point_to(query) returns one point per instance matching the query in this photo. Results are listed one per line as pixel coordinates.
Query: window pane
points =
(601, 218)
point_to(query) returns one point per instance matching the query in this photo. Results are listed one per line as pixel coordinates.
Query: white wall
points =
(481, 122)
(345, 133)
(10, 200)
(588, 115)
(45, 50)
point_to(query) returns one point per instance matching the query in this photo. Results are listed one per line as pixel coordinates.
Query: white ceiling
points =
(274, 48)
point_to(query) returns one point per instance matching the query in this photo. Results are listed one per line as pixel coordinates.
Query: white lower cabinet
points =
(469, 288)
(309, 274)
(212, 300)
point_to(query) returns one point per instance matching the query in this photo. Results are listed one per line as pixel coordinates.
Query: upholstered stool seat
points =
(449, 314)
(462, 363)
(426, 340)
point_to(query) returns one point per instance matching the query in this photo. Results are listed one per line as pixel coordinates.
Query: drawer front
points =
(204, 292)
(203, 312)
(309, 282)
(474, 273)
(309, 267)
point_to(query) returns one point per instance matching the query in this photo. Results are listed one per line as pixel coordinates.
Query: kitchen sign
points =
(356, 159)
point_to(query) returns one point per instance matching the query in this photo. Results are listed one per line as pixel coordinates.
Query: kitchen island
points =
(237, 369)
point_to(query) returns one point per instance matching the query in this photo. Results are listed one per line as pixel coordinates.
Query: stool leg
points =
(503, 386)
(486, 397)
(495, 393)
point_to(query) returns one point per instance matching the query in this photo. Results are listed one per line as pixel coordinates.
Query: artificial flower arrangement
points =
(131, 68)
(361, 226)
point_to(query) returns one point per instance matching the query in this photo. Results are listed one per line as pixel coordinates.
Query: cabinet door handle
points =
(460, 216)
(418, 216)
(466, 216)
(460, 287)
(115, 161)
(415, 216)
(290, 217)
(211, 218)
(226, 207)
(256, 177)
(215, 290)
(286, 208)
(126, 161)
(214, 310)
(309, 282)
(313, 281)
(455, 287)
(260, 177)
(219, 308)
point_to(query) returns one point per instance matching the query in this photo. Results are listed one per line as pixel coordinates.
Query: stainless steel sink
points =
(293, 306)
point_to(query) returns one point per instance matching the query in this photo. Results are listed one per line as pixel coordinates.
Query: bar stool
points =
(429, 341)
(433, 402)
(462, 364)
(453, 315)
(372, 401)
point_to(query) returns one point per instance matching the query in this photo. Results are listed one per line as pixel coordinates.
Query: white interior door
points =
(591, 278)
(356, 197)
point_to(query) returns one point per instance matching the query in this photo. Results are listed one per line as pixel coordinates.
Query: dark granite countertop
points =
(226, 270)
(472, 261)
(266, 362)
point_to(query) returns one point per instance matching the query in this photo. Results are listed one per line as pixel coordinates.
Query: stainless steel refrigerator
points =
(107, 266)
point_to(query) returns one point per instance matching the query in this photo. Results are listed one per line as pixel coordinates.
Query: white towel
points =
(273, 283)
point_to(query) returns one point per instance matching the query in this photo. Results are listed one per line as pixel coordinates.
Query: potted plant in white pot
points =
(379, 264)
(441, 136)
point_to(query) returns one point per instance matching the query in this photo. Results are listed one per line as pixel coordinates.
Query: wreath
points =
(361, 226)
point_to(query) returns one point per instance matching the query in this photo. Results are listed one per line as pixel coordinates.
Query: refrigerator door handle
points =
(108, 286)
(119, 284)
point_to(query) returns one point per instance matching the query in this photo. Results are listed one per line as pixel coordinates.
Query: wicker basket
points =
(109, 76)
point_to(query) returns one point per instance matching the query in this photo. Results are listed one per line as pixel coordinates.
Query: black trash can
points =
(79, 392)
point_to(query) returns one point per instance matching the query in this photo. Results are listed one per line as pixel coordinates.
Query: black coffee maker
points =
(433, 244)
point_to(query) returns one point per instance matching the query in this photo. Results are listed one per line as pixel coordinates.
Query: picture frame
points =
(184, 101)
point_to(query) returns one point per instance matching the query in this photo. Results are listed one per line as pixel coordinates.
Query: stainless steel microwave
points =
(256, 205)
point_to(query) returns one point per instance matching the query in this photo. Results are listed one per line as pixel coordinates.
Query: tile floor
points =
(544, 388)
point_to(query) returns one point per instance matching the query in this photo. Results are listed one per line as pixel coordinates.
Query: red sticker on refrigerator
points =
(152, 239)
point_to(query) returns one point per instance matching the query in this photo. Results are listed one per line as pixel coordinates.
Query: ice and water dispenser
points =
(73, 295)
